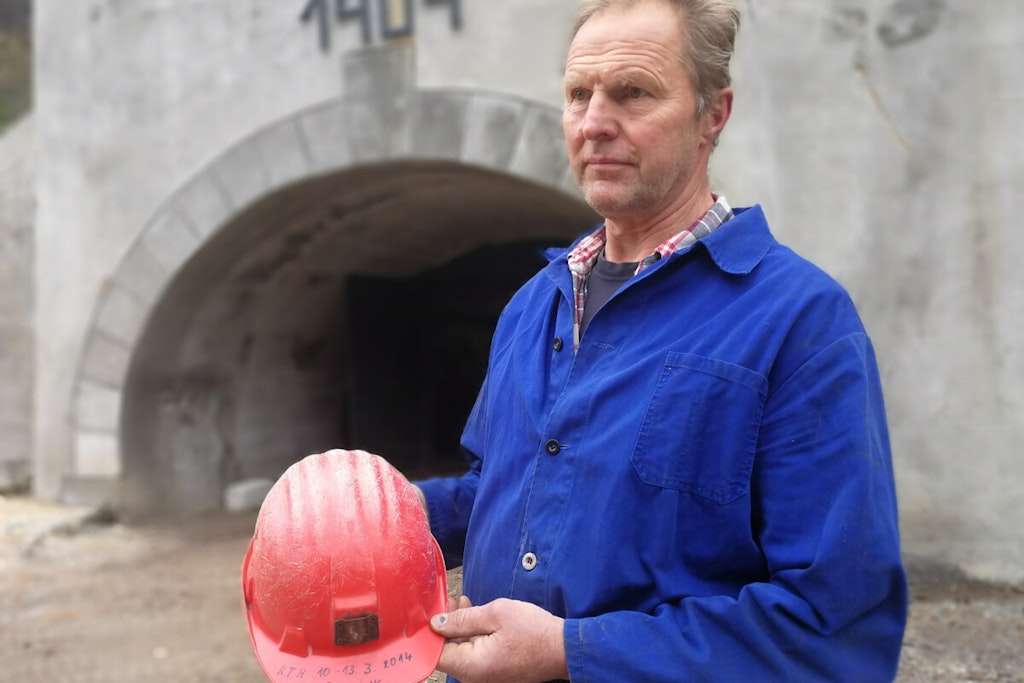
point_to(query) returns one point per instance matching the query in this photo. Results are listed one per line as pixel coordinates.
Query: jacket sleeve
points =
(449, 502)
(824, 513)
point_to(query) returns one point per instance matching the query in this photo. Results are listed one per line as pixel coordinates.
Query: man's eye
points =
(635, 92)
(579, 94)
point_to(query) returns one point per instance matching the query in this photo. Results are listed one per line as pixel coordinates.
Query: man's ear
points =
(717, 114)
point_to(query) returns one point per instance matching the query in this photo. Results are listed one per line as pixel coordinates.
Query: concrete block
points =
(96, 454)
(492, 129)
(142, 274)
(121, 315)
(322, 130)
(376, 131)
(105, 361)
(284, 153)
(17, 294)
(382, 73)
(170, 240)
(16, 408)
(98, 407)
(438, 124)
(242, 174)
(15, 475)
(79, 491)
(246, 495)
(378, 104)
(204, 205)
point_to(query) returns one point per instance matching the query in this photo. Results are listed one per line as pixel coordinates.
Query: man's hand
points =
(502, 641)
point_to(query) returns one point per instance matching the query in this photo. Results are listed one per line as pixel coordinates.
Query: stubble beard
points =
(639, 196)
(623, 197)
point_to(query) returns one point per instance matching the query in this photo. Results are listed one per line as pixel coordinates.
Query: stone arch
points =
(494, 133)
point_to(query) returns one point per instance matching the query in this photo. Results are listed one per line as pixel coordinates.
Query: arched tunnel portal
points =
(350, 310)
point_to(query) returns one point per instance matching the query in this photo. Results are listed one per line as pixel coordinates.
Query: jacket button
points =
(529, 562)
(552, 447)
(557, 345)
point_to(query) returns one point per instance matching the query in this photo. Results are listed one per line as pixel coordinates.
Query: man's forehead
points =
(647, 29)
(621, 57)
(613, 70)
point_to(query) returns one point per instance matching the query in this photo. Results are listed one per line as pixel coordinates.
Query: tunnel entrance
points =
(352, 310)
(419, 353)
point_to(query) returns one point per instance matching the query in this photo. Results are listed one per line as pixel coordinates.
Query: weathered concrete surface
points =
(884, 139)
(134, 105)
(17, 251)
(131, 99)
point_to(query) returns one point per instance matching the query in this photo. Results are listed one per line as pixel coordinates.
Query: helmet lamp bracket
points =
(356, 630)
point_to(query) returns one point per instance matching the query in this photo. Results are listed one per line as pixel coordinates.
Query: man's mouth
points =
(605, 163)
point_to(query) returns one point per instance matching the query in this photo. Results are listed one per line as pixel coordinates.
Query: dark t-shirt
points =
(604, 280)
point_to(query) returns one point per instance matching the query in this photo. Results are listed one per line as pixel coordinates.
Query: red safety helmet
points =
(342, 575)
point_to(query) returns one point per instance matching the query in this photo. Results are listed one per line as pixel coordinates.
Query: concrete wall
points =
(133, 100)
(884, 140)
(881, 136)
(17, 250)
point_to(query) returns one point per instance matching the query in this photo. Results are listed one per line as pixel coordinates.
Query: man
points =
(680, 467)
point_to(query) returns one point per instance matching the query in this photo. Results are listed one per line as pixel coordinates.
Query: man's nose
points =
(599, 118)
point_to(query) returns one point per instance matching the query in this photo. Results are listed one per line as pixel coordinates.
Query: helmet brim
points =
(412, 658)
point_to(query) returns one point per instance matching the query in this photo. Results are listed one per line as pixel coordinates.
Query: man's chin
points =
(607, 202)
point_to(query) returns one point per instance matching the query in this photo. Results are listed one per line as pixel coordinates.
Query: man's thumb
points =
(439, 622)
(451, 624)
(458, 622)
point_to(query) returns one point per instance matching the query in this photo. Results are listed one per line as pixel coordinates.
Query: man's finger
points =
(458, 603)
(462, 623)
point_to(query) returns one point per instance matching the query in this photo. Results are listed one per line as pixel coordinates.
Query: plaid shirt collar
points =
(583, 257)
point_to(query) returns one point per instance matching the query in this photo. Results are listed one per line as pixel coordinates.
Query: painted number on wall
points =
(395, 18)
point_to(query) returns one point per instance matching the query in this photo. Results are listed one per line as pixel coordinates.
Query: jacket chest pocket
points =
(699, 432)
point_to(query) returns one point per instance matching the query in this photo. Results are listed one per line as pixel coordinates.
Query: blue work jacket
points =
(704, 490)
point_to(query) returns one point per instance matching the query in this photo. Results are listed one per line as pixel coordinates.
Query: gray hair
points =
(709, 28)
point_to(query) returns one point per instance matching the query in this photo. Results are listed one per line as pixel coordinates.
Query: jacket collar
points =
(736, 248)
(741, 243)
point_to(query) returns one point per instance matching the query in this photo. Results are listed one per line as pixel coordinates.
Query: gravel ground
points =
(85, 599)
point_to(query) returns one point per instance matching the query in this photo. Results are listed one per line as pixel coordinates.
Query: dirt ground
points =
(86, 599)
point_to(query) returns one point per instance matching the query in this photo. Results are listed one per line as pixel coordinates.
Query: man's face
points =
(634, 140)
